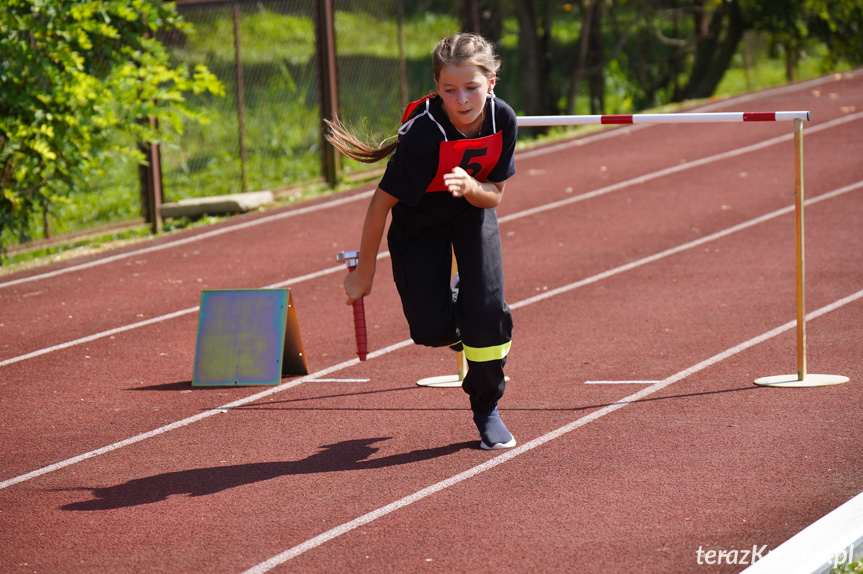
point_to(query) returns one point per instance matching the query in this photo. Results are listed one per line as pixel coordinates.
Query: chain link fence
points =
(265, 134)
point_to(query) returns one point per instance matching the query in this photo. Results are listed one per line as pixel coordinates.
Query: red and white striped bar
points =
(682, 118)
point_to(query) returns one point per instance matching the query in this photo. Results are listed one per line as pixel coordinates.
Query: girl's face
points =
(463, 89)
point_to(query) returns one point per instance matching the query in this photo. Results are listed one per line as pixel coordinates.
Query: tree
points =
(790, 24)
(589, 8)
(839, 25)
(533, 39)
(795, 25)
(715, 48)
(595, 58)
(73, 74)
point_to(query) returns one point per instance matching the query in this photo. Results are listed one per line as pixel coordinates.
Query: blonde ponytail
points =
(355, 148)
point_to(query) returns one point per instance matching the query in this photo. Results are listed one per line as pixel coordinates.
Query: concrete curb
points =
(218, 205)
(834, 540)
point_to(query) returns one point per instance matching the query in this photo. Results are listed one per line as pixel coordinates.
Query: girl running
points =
(449, 166)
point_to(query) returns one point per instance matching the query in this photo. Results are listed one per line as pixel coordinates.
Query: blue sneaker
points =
(492, 432)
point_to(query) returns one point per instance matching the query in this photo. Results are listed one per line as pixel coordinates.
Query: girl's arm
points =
(461, 184)
(358, 283)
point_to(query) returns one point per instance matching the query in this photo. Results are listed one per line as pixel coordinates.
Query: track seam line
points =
(506, 456)
(341, 201)
(409, 342)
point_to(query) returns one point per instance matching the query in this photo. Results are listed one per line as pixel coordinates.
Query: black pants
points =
(421, 242)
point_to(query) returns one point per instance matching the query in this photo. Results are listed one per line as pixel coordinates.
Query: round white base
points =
(808, 381)
(441, 381)
(444, 381)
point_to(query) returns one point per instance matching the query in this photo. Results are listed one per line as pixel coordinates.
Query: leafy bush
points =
(75, 74)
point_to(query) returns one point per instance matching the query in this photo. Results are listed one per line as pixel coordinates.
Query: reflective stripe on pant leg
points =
(484, 354)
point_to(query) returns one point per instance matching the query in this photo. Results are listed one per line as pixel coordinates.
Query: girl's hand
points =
(458, 182)
(356, 286)
(461, 184)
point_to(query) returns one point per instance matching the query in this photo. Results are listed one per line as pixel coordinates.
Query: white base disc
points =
(444, 381)
(441, 381)
(808, 381)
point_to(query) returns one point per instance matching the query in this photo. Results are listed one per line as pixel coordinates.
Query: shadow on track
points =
(347, 455)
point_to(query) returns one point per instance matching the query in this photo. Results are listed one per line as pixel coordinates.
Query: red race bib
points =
(475, 156)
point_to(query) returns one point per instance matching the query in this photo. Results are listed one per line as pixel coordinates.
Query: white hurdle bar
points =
(682, 118)
(802, 378)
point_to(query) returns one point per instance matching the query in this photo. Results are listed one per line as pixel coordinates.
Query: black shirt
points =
(414, 164)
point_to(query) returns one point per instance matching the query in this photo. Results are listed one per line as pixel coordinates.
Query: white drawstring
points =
(407, 125)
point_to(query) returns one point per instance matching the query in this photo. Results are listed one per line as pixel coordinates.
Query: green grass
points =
(75, 248)
(852, 568)
(770, 72)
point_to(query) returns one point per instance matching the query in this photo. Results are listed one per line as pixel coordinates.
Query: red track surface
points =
(708, 460)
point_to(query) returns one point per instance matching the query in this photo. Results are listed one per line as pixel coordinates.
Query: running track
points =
(657, 259)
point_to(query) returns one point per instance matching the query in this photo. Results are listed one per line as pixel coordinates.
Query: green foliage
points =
(852, 568)
(839, 25)
(798, 26)
(74, 74)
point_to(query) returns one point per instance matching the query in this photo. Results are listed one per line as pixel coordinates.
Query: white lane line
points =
(338, 380)
(192, 239)
(506, 456)
(337, 202)
(408, 342)
(161, 318)
(197, 417)
(680, 248)
(170, 427)
(620, 382)
(802, 86)
(102, 335)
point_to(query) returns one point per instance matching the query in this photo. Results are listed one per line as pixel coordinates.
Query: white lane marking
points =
(506, 456)
(407, 342)
(192, 239)
(802, 86)
(674, 250)
(161, 318)
(620, 382)
(338, 380)
(197, 417)
(102, 335)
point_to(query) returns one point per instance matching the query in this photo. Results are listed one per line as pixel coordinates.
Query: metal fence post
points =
(151, 184)
(328, 84)
(403, 65)
(238, 57)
